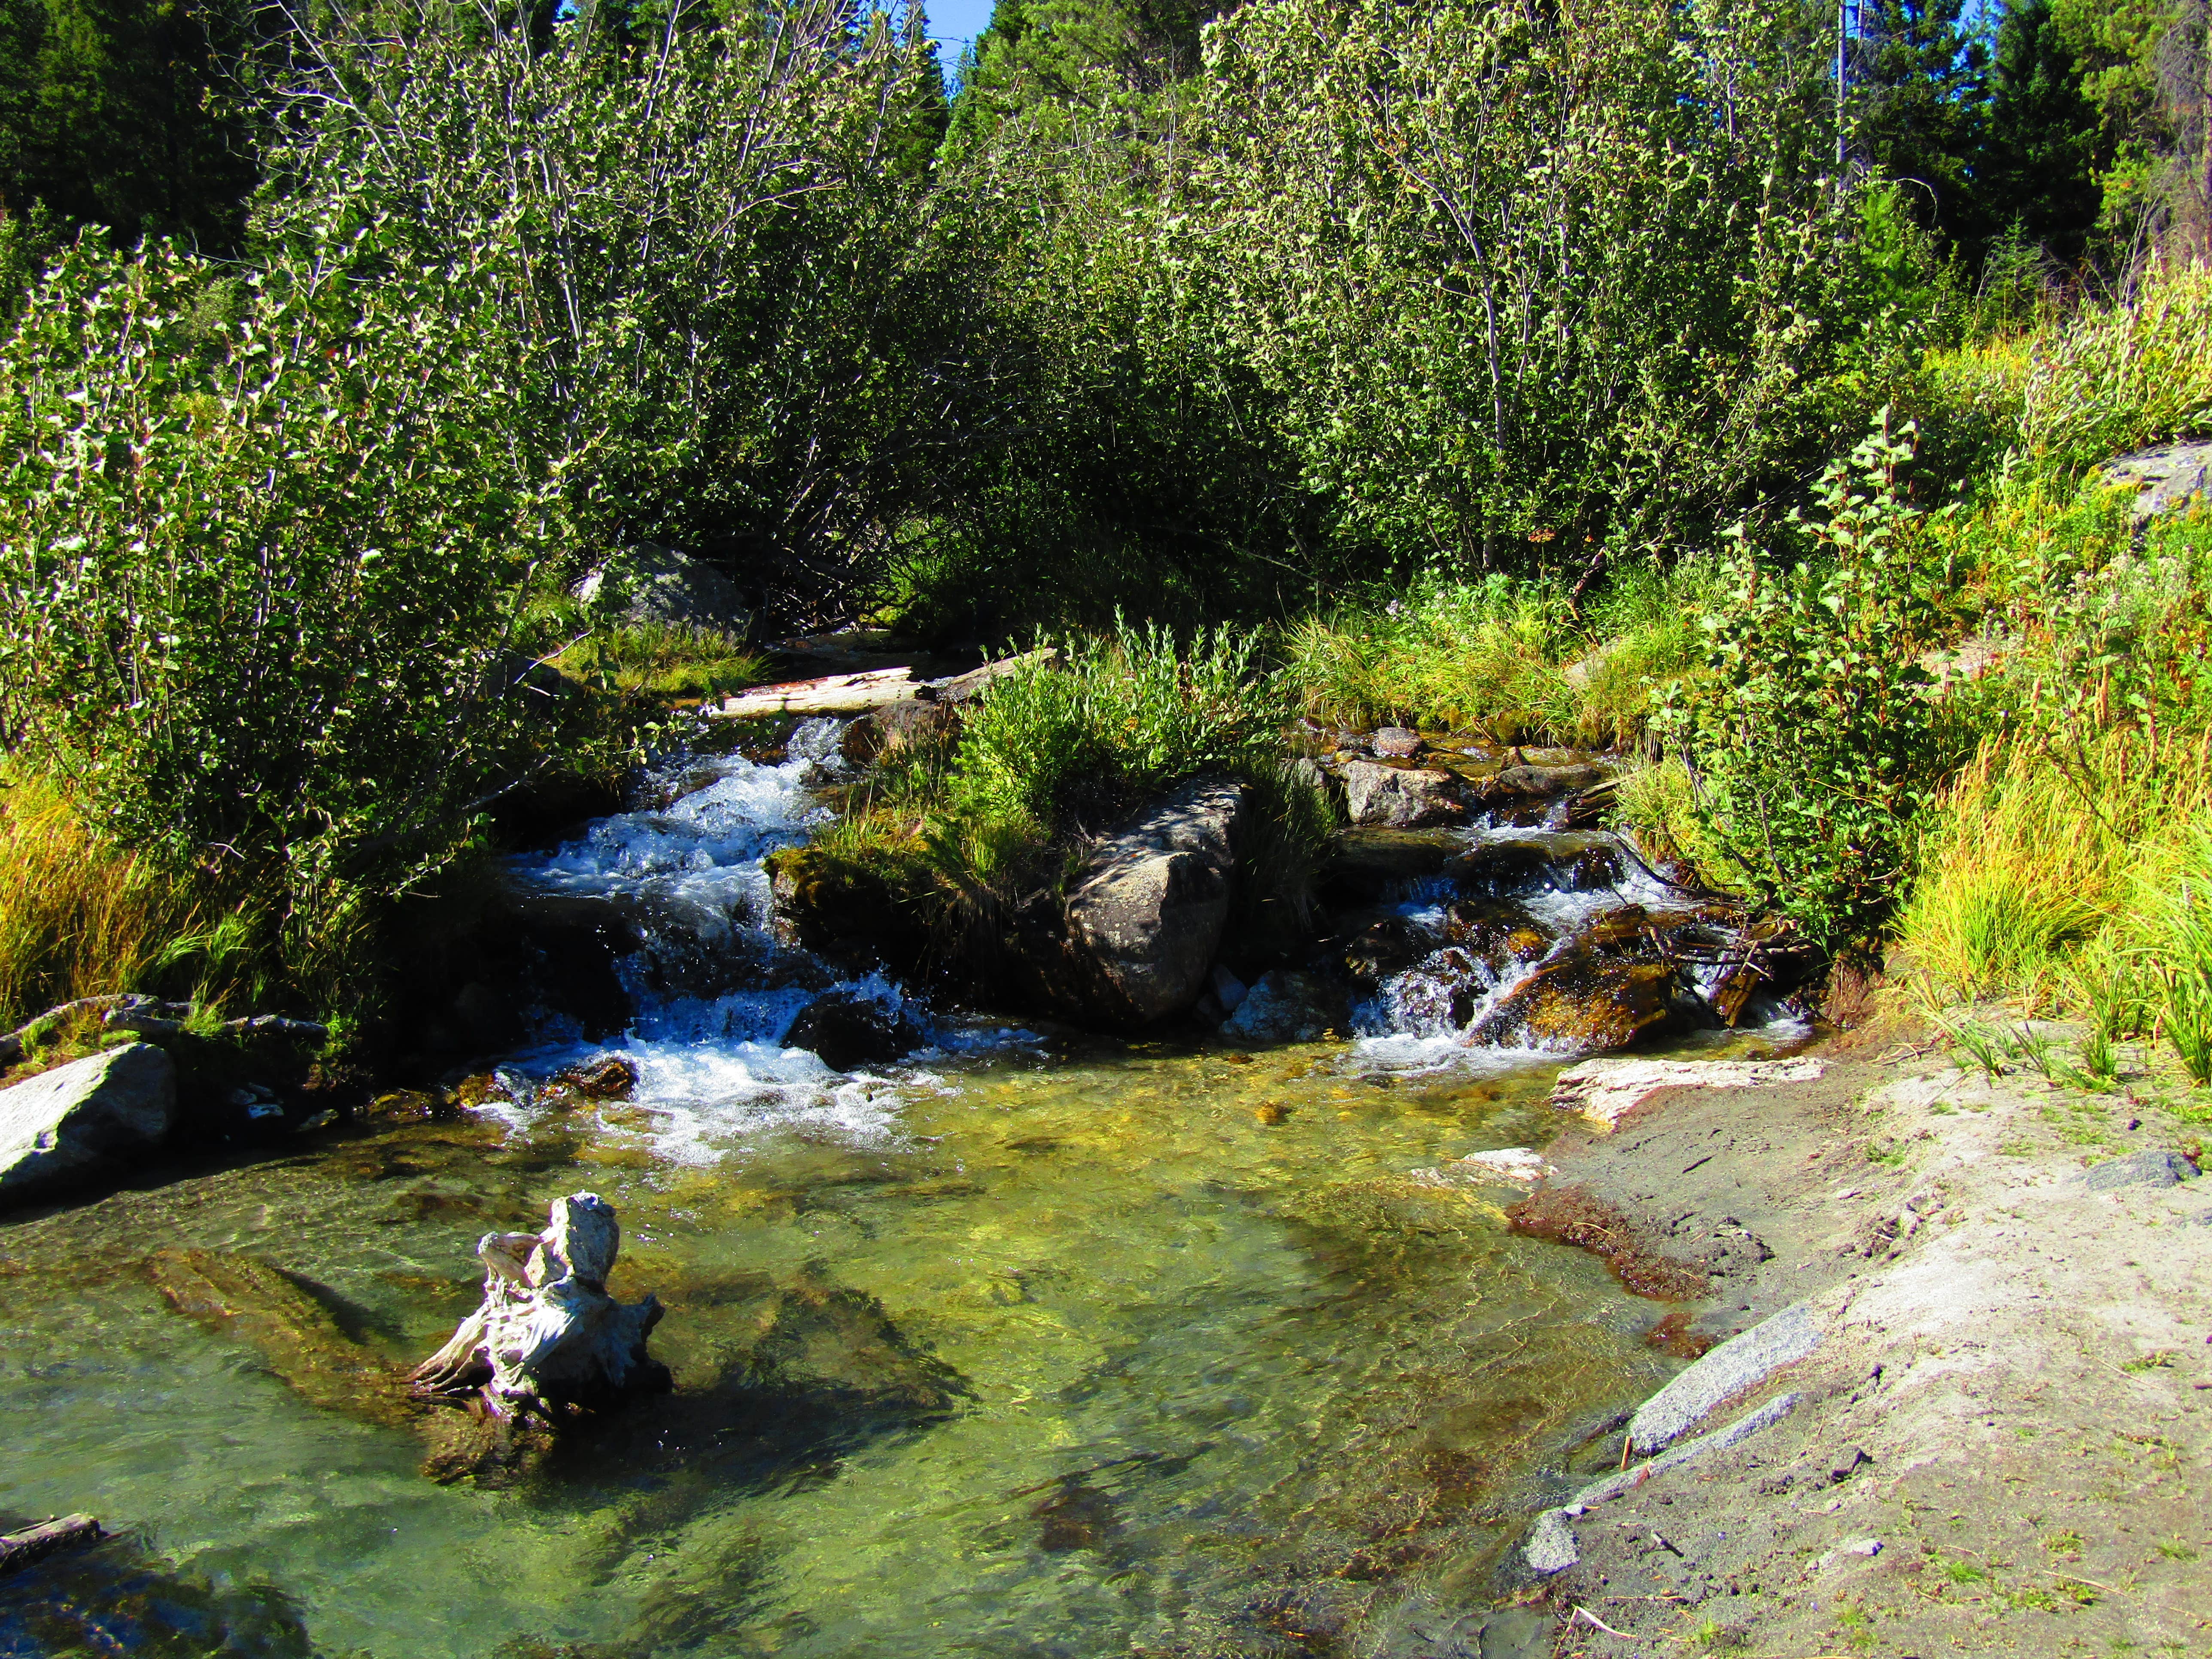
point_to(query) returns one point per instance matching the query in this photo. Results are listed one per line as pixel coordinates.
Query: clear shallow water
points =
(1147, 1349)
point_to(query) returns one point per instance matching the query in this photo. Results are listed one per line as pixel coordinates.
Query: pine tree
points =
(1919, 94)
(2037, 171)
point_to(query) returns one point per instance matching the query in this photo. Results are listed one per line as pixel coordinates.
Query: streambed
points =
(1157, 1347)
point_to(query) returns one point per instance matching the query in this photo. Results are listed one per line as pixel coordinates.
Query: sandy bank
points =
(1986, 1423)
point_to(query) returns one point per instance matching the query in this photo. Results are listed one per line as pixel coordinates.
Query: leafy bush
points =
(255, 591)
(1815, 742)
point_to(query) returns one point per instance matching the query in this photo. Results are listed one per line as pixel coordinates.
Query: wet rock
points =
(1399, 798)
(1289, 1006)
(79, 1119)
(297, 1336)
(603, 1076)
(1366, 865)
(847, 1032)
(1395, 742)
(1535, 782)
(1500, 932)
(1579, 1003)
(1500, 868)
(844, 909)
(1385, 947)
(1143, 922)
(651, 583)
(898, 726)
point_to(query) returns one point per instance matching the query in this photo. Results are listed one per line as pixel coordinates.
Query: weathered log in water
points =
(547, 1340)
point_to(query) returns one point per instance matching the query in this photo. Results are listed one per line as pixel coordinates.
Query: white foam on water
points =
(714, 1071)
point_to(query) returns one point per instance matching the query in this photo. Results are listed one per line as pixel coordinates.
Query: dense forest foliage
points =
(345, 340)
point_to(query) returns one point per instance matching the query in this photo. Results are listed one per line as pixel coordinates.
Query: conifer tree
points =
(2037, 173)
(1918, 90)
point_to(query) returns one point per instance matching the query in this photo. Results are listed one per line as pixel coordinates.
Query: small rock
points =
(1287, 1006)
(1847, 1462)
(1866, 1546)
(1517, 1164)
(2147, 1168)
(1399, 798)
(608, 1077)
(1228, 990)
(1551, 1547)
(1397, 741)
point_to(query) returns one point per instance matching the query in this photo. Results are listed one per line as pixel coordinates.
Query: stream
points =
(1085, 1344)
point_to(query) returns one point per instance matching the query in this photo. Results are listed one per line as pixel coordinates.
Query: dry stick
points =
(67, 1532)
(1584, 1612)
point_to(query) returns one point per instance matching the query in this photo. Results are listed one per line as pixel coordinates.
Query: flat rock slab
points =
(1740, 1362)
(67, 1123)
(1552, 1546)
(1606, 1091)
(2164, 478)
(2147, 1168)
(1398, 797)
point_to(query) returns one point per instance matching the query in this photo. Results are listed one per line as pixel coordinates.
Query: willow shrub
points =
(257, 585)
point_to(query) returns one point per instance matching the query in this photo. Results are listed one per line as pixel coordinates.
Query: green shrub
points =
(1815, 743)
(257, 589)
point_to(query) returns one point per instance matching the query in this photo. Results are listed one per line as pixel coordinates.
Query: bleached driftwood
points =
(832, 694)
(548, 1338)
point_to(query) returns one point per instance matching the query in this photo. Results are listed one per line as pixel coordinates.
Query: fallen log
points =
(830, 694)
(67, 1532)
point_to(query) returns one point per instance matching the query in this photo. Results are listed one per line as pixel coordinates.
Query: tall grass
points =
(1506, 659)
(2122, 376)
(80, 917)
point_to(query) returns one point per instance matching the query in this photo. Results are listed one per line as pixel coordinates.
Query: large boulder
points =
(1398, 797)
(2164, 478)
(650, 583)
(1582, 1003)
(847, 1032)
(72, 1121)
(1144, 919)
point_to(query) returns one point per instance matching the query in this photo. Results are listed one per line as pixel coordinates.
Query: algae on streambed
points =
(1126, 1348)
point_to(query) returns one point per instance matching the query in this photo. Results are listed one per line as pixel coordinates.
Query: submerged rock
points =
(846, 1031)
(77, 1120)
(1398, 797)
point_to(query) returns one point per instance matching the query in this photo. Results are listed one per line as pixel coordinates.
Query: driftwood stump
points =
(549, 1340)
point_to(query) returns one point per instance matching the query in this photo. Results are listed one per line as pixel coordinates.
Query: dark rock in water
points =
(1395, 742)
(1144, 921)
(1075, 1515)
(1582, 1003)
(403, 1106)
(1386, 946)
(1400, 798)
(1369, 865)
(1288, 1006)
(606, 1077)
(1499, 868)
(837, 1344)
(1594, 867)
(77, 1120)
(111, 1600)
(847, 1032)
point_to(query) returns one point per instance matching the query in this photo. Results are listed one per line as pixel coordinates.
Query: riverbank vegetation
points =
(1588, 376)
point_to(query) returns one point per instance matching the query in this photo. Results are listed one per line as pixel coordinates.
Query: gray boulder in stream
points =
(1143, 921)
(66, 1124)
